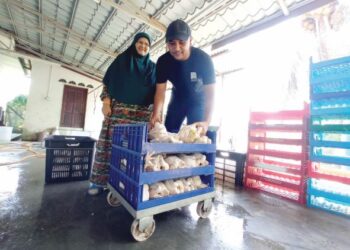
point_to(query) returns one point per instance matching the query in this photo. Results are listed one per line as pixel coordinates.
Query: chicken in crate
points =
(157, 171)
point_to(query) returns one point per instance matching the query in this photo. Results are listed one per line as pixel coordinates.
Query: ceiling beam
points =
(54, 57)
(101, 31)
(64, 65)
(296, 9)
(71, 21)
(17, 54)
(40, 10)
(11, 17)
(164, 7)
(133, 10)
(61, 38)
(78, 37)
(284, 7)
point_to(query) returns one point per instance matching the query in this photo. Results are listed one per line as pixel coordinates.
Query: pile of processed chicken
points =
(161, 162)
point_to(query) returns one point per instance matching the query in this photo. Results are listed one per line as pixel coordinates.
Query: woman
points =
(128, 91)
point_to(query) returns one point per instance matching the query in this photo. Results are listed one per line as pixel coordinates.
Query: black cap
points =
(178, 30)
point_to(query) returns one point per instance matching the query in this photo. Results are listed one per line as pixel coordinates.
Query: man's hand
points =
(106, 109)
(203, 125)
(155, 118)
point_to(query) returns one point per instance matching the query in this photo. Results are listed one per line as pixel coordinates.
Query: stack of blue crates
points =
(329, 168)
(129, 148)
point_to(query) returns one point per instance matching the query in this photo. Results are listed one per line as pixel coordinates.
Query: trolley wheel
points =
(204, 208)
(142, 234)
(112, 200)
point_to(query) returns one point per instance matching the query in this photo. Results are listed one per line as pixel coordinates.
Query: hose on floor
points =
(28, 147)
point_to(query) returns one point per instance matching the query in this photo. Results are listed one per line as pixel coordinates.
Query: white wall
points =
(45, 100)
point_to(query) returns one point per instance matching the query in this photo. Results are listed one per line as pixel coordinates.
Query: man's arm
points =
(209, 92)
(158, 104)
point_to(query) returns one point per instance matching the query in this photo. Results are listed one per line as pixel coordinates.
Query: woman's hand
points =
(155, 118)
(106, 109)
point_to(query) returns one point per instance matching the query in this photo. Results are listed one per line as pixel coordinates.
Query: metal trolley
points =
(129, 148)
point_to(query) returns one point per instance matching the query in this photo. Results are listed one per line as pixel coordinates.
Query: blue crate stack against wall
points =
(127, 175)
(329, 169)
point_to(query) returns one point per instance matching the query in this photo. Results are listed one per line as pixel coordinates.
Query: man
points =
(191, 72)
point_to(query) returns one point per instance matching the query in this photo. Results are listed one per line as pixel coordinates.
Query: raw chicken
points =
(155, 163)
(158, 190)
(201, 160)
(158, 131)
(180, 186)
(190, 160)
(189, 133)
(174, 162)
(172, 187)
(198, 182)
(151, 163)
(187, 186)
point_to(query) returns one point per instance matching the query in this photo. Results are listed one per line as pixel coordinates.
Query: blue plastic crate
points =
(331, 201)
(129, 148)
(135, 137)
(327, 154)
(331, 106)
(68, 158)
(330, 70)
(330, 88)
(312, 204)
(330, 140)
(132, 190)
(131, 164)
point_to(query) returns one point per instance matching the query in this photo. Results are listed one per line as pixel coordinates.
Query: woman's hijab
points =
(130, 68)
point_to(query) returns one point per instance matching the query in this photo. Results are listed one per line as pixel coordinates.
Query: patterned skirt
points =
(121, 114)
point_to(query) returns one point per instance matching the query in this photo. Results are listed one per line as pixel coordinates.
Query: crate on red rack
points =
(329, 171)
(280, 191)
(132, 191)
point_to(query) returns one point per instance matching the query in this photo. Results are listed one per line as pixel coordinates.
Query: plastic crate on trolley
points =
(129, 148)
(128, 179)
(68, 158)
(277, 155)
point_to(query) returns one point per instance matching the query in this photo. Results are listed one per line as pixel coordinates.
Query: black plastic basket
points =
(68, 158)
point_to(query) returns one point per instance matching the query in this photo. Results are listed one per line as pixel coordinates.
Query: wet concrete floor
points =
(63, 216)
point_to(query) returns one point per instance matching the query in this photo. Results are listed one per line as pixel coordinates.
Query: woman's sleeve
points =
(106, 81)
(104, 93)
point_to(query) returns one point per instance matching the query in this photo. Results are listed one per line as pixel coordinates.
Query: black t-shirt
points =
(188, 77)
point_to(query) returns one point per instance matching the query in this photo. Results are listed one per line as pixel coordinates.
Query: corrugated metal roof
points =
(86, 35)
